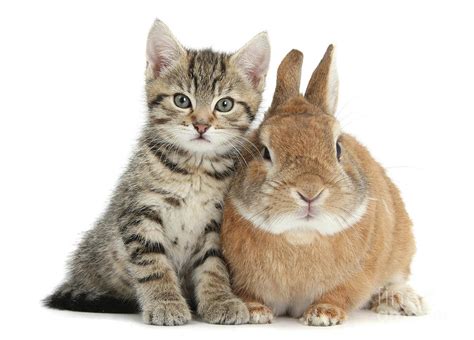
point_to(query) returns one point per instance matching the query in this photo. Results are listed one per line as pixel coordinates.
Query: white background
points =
(72, 104)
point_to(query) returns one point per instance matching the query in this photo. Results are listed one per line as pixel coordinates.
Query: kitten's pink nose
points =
(201, 128)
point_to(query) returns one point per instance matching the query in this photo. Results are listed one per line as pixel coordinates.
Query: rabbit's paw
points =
(398, 299)
(323, 315)
(259, 313)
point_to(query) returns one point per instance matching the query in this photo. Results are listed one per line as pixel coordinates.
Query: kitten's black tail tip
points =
(83, 302)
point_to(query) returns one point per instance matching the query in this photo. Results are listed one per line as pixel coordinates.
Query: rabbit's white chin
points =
(325, 223)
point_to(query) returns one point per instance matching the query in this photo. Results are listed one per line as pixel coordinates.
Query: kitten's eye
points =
(224, 105)
(338, 151)
(266, 154)
(182, 101)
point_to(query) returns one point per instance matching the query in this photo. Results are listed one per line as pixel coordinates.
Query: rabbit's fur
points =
(309, 230)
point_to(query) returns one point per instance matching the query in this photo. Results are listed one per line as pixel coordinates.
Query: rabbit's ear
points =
(288, 78)
(323, 87)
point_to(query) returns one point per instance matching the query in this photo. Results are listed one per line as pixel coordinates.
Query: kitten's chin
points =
(211, 144)
(205, 147)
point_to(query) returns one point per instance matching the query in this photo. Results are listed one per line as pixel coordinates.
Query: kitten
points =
(156, 248)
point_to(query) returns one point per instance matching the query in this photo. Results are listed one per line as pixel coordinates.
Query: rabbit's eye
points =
(338, 150)
(266, 154)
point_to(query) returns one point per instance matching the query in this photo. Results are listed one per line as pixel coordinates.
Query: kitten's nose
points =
(201, 128)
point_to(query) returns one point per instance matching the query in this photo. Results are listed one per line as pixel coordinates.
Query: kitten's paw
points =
(227, 312)
(259, 313)
(399, 299)
(167, 313)
(323, 315)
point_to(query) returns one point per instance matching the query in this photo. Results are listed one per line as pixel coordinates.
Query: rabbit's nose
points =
(308, 188)
(307, 198)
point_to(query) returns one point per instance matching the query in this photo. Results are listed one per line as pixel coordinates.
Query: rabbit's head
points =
(307, 175)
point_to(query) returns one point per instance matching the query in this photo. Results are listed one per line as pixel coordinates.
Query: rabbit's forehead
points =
(300, 131)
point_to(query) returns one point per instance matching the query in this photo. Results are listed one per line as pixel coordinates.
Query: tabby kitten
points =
(156, 248)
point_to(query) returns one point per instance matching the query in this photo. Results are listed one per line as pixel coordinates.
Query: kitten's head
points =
(200, 100)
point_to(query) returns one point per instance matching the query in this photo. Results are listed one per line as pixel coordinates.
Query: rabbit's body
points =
(315, 228)
(289, 271)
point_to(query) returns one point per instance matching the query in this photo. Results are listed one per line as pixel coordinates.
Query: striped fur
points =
(157, 246)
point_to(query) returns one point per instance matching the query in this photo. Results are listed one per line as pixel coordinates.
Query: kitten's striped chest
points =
(188, 191)
(187, 204)
(185, 224)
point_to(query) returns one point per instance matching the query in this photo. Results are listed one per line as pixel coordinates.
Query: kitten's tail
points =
(66, 298)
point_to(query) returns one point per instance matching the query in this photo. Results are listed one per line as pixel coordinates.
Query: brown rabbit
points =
(313, 227)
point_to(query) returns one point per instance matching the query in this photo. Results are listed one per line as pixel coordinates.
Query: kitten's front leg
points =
(215, 301)
(156, 283)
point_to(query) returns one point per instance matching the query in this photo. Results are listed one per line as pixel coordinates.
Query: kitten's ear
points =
(253, 60)
(323, 87)
(162, 50)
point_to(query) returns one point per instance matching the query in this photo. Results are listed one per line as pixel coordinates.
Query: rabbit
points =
(313, 227)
